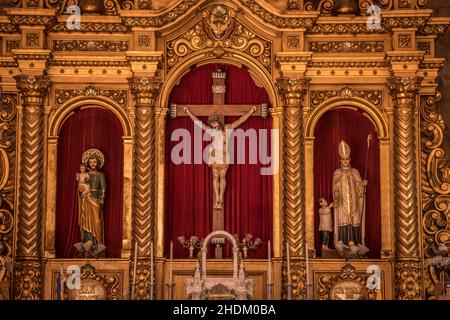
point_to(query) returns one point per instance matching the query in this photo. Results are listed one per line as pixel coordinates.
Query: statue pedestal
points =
(330, 254)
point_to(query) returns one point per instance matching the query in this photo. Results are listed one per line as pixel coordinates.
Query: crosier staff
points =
(369, 138)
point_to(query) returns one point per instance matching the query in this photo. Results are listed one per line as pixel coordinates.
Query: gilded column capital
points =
(34, 89)
(145, 89)
(292, 90)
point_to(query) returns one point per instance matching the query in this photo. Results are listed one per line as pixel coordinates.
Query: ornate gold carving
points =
(347, 46)
(143, 281)
(8, 113)
(325, 6)
(352, 28)
(12, 44)
(8, 28)
(78, 63)
(34, 20)
(404, 40)
(433, 65)
(404, 22)
(298, 280)
(144, 40)
(93, 27)
(408, 277)
(293, 41)
(161, 20)
(424, 46)
(33, 40)
(110, 280)
(404, 91)
(405, 58)
(146, 92)
(328, 281)
(27, 280)
(119, 96)
(8, 64)
(435, 187)
(90, 45)
(433, 29)
(219, 32)
(292, 92)
(278, 21)
(347, 64)
(373, 96)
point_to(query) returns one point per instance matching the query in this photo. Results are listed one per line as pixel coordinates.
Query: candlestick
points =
(269, 262)
(170, 270)
(289, 284)
(152, 283)
(133, 288)
(288, 263)
(269, 270)
(307, 270)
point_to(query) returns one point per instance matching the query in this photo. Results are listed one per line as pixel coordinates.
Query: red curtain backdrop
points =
(85, 129)
(353, 127)
(248, 196)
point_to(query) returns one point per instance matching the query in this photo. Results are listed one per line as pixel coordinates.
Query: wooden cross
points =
(218, 108)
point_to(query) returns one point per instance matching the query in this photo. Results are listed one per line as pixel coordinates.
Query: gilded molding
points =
(93, 27)
(433, 29)
(90, 45)
(317, 98)
(119, 96)
(34, 20)
(404, 22)
(348, 64)
(8, 28)
(217, 32)
(84, 63)
(347, 46)
(343, 28)
(292, 92)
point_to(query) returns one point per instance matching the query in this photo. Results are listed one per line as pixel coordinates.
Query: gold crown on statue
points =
(94, 153)
(344, 150)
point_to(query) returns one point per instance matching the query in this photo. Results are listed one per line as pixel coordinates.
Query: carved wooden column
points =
(27, 271)
(146, 91)
(292, 91)
(408, 267)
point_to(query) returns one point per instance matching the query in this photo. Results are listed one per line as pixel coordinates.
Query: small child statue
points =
(326, 223)
(82, 177)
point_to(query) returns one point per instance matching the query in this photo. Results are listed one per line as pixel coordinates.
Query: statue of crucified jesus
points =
(218, 160)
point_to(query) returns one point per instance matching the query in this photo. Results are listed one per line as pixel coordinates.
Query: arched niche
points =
(321, 146)
(104, 121)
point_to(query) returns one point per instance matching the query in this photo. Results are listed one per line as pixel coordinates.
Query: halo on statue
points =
(94, 153)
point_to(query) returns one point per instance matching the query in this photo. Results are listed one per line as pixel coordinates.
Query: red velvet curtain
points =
(85, 129)
(353, 127)
(248, 197)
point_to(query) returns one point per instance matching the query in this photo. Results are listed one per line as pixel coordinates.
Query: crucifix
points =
(217, 129)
